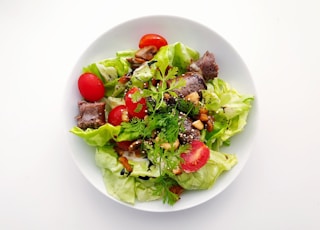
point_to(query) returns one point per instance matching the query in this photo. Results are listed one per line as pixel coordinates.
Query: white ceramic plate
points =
(126, 36)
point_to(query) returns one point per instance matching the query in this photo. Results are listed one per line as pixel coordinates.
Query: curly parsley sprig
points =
(168, 160)
(163, 75)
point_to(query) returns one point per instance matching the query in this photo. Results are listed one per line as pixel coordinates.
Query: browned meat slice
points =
(206, 65)
(142, 55)
(146, 52)
(135, 62)
(194, 83)
(190, 133)
(91, 115)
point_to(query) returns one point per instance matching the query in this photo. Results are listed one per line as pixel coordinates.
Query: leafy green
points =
(97, 137)
(178, 55)
(169, 159)
(188, 107)
(118, 185)
(230, 110)
(109, 70)
(157, 92)
(92, 68)
(206, 176)
(162, 186)
(146, 190)
(142, 74)
(108, 73)
(131, 130)
(114, 89)
(120, 63)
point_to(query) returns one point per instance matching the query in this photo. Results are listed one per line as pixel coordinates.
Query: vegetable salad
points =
(158, 116)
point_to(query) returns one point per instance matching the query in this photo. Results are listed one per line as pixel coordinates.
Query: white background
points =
(42, 188)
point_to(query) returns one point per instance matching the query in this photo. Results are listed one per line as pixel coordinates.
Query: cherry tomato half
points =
(91, 87)
(115, 116)
(152, 40)
(136, 108)
(196, 158)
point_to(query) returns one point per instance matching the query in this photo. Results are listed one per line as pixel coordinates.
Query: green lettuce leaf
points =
(121, 65)
(142, 74)
(206, 176)
(114, 89)
(118, 185)
(230, 109)
(109, 70)
(178, 55)
(225, 100)
(119, 62)
(145, 190)
(142, 168)
(97, 137)
(92, 68)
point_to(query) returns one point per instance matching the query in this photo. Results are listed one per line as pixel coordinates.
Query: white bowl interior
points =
(126, 36)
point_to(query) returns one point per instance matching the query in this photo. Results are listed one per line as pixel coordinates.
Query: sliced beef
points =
(91, 115)
(194, 83)
(206, 65)
(146, 52)
(189, 134)
(142, 55)
(135, 62)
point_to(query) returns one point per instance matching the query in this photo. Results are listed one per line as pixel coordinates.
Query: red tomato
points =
(196, 158)
(152, 40)
(124, 145)
(135, 108)
(91, 87)
(115, 117)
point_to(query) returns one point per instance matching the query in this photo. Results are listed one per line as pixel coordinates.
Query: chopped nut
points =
(166, 96)
(203, 117)
(198, 124)
(203, 110)
(209, 125)
(177, 171)
(168, 146)
(177, 189)
(193, 97)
